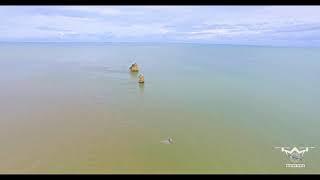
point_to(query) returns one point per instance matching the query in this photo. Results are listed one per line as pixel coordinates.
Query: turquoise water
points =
(75, 108)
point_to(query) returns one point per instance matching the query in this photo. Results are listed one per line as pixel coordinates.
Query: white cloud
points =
(101, 10)
(209, 23)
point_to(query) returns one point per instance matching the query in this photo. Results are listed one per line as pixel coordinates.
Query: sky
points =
(249, 25)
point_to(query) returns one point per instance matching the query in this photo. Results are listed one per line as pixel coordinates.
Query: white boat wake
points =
(167, 141)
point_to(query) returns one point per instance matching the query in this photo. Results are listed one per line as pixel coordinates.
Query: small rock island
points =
(134, 67)
(141, 78)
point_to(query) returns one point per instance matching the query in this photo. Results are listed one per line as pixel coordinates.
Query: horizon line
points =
(198, 43)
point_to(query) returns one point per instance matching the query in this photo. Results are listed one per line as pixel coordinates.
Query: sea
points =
(76, 108)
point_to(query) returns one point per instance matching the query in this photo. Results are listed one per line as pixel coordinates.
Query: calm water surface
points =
(75, 108)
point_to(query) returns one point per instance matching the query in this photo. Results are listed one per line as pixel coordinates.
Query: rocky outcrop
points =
(141, 78)
(134, 67)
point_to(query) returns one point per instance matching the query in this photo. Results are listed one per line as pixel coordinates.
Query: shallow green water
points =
(75, 108)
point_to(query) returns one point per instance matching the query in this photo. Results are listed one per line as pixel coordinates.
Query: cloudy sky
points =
(253, 25)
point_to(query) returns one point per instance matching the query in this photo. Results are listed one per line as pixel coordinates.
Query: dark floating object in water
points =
(167, 141)
(141, 78)
(134, 67)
